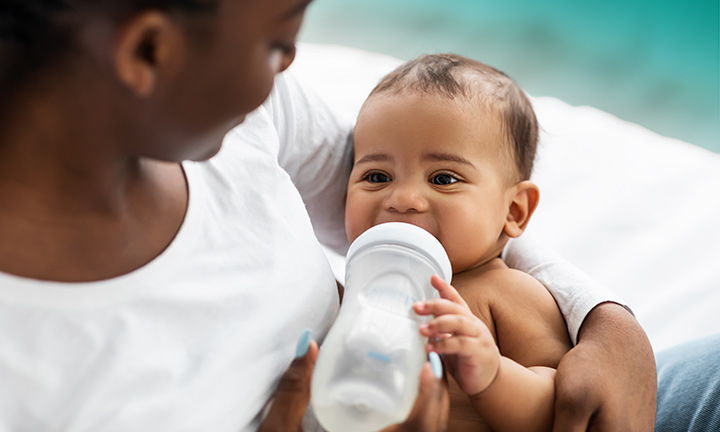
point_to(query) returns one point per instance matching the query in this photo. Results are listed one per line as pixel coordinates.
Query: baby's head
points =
(446, 143)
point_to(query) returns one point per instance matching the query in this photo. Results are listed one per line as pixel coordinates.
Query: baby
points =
(447, 143)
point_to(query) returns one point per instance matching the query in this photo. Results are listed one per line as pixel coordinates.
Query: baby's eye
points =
(377, 177)
(443, 179)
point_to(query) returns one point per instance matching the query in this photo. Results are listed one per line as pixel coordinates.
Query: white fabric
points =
(196, 339)
(636, 211)
(344, 77)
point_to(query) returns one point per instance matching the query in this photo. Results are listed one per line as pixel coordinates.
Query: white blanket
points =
(637, 211)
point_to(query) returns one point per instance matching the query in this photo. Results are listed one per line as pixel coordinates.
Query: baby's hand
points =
(470, 352)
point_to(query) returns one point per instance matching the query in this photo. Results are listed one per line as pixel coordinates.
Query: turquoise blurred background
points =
(656, 63)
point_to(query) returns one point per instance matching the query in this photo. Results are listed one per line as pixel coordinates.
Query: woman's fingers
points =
(430, 413)
(293, 392)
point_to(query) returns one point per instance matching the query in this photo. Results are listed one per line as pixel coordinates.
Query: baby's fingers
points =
(441, 307)
(455, 325)
(446, 290)
(478, 348)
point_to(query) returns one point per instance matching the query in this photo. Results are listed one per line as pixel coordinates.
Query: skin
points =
(437, 164)
(508, 314)
(430, 413)
(102, 196)
(441, 164)
(607, 381)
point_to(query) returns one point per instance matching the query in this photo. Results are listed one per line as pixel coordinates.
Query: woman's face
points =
(226, 74)
(253, 41)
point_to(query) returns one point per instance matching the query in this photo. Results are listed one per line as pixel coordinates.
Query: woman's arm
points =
(608, 381)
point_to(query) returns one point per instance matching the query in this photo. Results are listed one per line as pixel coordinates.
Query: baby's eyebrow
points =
(447, 157)
(374, 157)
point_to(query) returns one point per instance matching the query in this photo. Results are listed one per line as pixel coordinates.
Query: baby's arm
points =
(507, 395)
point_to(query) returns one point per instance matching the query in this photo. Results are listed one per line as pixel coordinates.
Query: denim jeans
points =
(689, 387)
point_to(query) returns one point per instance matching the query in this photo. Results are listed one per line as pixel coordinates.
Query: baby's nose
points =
(406, 198)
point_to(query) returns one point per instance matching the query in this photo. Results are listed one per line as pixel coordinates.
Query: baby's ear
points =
(525, 196)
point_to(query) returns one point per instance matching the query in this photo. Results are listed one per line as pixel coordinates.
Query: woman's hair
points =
(35, 33)
(454, 76)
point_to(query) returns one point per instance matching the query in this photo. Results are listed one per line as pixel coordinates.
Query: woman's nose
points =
(406, 198)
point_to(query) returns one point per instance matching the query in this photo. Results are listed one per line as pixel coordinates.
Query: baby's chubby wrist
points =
(490, 380)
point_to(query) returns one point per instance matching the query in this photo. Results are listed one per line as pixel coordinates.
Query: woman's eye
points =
(443, 179)
(377, 177)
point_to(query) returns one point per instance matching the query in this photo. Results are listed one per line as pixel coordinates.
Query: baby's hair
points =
(454, 76)
(35, 33)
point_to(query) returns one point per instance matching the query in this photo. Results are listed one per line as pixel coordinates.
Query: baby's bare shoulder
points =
(495, 283)
(528, 325)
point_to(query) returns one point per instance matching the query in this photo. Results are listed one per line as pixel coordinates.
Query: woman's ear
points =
(525, 197)
(149, 47)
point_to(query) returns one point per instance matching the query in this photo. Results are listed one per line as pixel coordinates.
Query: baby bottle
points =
(367, 374)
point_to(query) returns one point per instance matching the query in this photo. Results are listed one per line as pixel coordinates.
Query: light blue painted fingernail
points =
(303, 343)
(436, 364)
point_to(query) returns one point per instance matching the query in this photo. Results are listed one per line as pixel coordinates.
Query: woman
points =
(139, 289)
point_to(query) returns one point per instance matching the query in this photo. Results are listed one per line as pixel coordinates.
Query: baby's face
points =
(435, 163)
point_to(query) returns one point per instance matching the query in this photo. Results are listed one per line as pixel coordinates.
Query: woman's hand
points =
(608, 381)
(293, 392)
(470, 351)
(429, 414)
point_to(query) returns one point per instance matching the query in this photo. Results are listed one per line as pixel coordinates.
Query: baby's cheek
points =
(463, 252)
(354, 225)
(456, 261)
